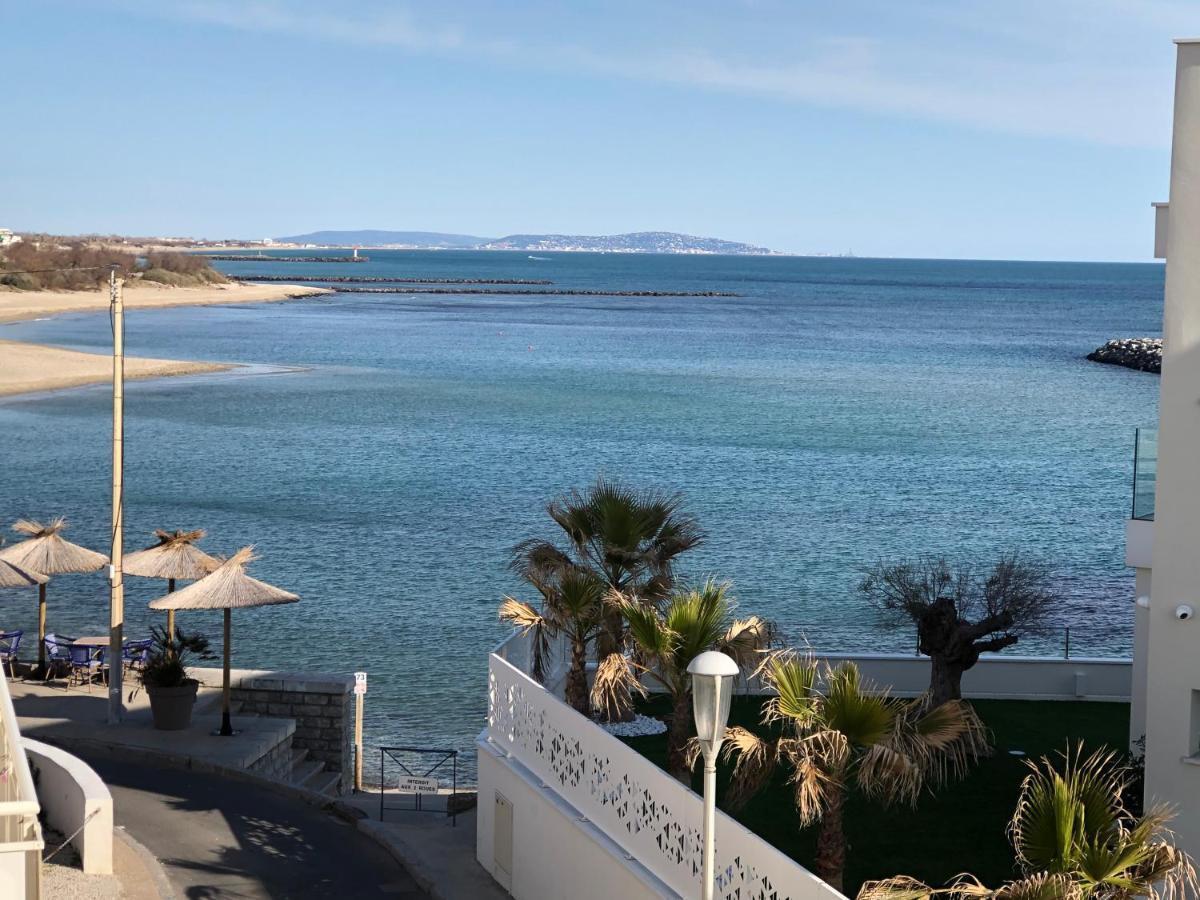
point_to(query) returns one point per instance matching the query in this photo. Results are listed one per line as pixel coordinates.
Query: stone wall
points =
(276, 764)
(321, 705)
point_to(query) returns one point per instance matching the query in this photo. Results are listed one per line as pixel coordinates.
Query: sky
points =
(1024, 129)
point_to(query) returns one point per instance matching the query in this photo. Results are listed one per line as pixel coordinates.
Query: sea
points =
(383, 452)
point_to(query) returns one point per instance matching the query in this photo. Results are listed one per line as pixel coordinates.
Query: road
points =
(222, 840)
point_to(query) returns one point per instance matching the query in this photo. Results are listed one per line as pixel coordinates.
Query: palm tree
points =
(1075, 840)
(666, 640)
(627, 538)
(839, 731)
(572, 605)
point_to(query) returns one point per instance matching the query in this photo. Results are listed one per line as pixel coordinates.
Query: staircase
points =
(309, 774)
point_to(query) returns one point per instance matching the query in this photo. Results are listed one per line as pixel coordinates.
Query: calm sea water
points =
(837, 412)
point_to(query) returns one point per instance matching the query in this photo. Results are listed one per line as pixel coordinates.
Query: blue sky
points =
(939, 128)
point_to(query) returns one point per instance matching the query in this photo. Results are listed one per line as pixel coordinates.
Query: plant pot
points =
(172, 706)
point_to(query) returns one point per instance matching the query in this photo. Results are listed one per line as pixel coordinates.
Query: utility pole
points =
(116, 618)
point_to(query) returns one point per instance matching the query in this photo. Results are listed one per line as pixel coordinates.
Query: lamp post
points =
(712, 688)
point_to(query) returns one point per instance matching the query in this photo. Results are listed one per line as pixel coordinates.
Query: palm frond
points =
(613, 687)
(754, 761)
(532, 623)
(901, 887)
(793, 679)
(863, 714)
(746, 640)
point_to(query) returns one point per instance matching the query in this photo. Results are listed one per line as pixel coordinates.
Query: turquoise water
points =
(837, 412)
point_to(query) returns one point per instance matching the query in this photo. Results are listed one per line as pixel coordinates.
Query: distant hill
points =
(633, 242)
(373, 238)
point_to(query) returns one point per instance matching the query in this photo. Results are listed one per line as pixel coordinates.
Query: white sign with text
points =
(414, 784)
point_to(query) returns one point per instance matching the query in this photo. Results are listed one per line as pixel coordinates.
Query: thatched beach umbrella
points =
(228, 588)
(13, 576)
(174, 557)
(46, 553)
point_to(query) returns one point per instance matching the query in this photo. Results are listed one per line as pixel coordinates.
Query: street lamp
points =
(712, 688)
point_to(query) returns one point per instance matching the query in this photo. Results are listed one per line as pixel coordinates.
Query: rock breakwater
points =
(1143, 354)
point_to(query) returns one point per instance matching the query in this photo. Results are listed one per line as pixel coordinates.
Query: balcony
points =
(1145, 470)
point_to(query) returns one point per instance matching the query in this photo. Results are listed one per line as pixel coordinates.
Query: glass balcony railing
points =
(1145, 470)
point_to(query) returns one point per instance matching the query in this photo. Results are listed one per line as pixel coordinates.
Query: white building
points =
(1164, 549)
(8, 237)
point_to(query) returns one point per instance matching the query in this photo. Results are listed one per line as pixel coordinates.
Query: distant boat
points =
(542, 258)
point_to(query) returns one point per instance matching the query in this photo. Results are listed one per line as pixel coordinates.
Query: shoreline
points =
(28, 368)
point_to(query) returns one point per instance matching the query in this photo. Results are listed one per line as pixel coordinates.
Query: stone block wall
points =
(321, 705)
(277, 763)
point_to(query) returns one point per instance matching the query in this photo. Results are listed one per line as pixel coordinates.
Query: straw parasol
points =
(13, 576)
(175, 556)
(44, 551)
(228, 588)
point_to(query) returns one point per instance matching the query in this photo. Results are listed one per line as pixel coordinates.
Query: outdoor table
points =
(91, 641)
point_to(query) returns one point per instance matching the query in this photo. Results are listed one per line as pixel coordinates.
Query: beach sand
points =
(18, 305)
(25, 368)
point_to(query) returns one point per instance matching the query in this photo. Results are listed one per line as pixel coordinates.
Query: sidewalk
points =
(437, 853)
(48, 712)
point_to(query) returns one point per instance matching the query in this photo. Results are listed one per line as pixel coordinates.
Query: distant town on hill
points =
(634, 242)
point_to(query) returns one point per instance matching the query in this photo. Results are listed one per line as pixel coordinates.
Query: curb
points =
(162, 884)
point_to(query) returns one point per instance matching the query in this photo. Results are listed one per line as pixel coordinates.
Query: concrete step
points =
(324, 783)
(305, 770)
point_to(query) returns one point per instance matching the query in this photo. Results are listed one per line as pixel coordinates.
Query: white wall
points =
(1003, 677)
(1142, 587)
(1173, 674)
(73, 796)
(556, 855)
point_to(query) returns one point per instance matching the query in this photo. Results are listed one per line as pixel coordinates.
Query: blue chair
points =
(10, 642)
(58, 655)
(135, 653)
(85, 665)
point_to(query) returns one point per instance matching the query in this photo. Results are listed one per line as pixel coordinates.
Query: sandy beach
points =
(25, 368)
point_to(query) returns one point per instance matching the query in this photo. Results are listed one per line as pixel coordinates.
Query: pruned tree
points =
(960, 613)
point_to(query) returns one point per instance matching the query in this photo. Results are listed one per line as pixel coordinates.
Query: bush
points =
(87, 266)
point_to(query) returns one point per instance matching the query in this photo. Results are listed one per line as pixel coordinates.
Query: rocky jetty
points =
(1143, 354)
(557, 292)
(355, 279)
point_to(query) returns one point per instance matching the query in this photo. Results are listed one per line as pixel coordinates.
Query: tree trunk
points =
(831, 842)
(677, 738)
(945, 680)
(576, 689)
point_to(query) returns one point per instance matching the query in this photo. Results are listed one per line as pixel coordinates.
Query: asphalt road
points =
(220, 840)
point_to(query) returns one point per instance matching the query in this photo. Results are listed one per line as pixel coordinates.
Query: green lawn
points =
(961, 829)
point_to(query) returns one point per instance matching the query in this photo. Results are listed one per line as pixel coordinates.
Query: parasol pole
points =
(171, 612)
(116, 616)
(226, 725)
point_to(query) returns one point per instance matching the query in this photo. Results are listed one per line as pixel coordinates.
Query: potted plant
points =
(165, 677)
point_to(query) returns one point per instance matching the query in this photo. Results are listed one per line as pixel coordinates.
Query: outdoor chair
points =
(10, 642)
(134, 654)
(58, 656)
(85, 665)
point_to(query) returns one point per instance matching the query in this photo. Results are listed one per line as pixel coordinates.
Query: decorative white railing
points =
(18, 800)
(650, 815)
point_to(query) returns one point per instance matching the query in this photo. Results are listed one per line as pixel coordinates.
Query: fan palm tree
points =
(572, 605)
(840, 731)
(627, 538)
(664, 642)
(1075, 840)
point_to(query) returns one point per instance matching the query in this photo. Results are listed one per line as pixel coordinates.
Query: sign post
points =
(360, 691)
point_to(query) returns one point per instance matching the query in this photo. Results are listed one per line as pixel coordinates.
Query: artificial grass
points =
(960, 829)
